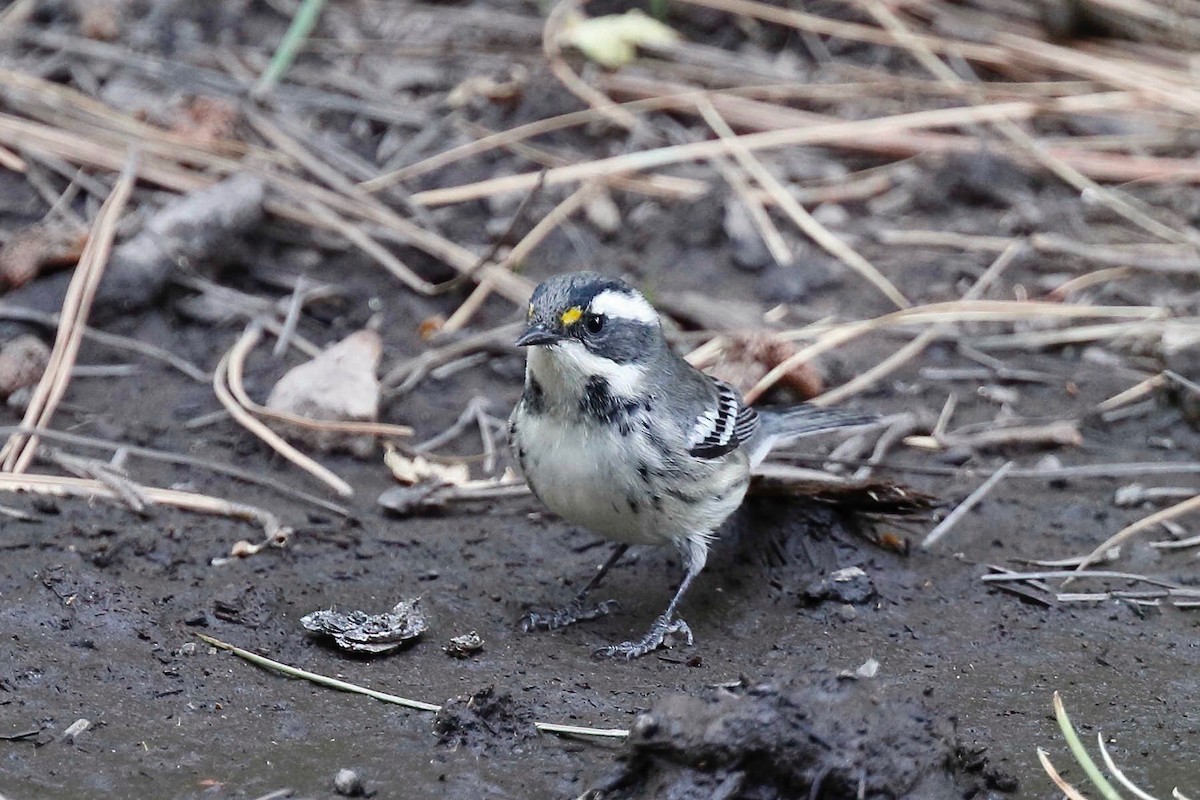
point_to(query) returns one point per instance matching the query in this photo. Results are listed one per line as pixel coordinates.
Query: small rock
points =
(22, 362)
(850, 585)
(339, 384)
(867, 669)
(348, 783)
(464, 646)
(74, 730)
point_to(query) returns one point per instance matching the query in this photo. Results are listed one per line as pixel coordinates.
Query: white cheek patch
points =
(564, 371)
(623, 305)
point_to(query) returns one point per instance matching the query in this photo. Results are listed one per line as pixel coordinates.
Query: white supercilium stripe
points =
(623, 305)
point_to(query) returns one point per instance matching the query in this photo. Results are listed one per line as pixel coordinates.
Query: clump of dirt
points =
(813, 736)
(481, 721)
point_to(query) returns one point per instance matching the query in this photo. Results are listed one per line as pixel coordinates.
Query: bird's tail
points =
(787, 425)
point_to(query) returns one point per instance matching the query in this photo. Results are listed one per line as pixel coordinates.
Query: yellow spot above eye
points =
(529, 313)
(571, 316)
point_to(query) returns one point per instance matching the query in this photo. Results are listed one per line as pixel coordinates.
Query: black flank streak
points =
(644, 472)
(634, 505)
(658, 444)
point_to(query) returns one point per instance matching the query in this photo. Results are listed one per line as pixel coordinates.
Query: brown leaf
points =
(750, 356)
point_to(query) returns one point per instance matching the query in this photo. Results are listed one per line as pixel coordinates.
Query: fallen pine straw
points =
(965, 506)
(769, 140)
(58, 486)
(81, 291)
(1129, 531)
(353, 688)
(168, 457)
(112, 340)
(799, 216)
(951, 312)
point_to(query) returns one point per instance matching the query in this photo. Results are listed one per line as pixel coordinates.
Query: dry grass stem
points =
(268, 436)
(418, 705)
(1067, 789)
(796, 212)
(1023, 140)
(19, 450)
(911, 350)
(236, 367)
(521, 251)
(956, 311)
(178, 458)
(57, 486)
(552, 34)
(820, 134)
(972, 500)
(772, 238)
(669, 187)
(112, 340)
(1059, 433)
(1133, 393)
(406, 375)
(1129, 531)
(760, 116)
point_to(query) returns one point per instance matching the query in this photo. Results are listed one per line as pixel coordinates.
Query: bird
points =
(617, 433)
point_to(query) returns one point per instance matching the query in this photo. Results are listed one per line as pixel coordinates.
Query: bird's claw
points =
(568, 615)
(653, 639)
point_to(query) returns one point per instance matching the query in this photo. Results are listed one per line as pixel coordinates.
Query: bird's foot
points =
(568, 615)
(659, 631)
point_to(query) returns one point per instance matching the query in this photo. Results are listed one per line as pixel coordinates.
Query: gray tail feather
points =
(802, 419)
(784, 426)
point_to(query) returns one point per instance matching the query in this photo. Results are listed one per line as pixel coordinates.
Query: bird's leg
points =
(662, 627)
(576, 611)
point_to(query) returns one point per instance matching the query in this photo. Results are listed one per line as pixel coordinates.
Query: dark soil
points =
(99, 607)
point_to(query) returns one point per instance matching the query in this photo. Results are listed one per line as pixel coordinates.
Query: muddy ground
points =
(100, 607)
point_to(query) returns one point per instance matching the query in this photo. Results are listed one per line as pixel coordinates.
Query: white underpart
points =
(563, 370)
(623, 305)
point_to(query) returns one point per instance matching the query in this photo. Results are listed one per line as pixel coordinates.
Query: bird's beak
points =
(536, 334)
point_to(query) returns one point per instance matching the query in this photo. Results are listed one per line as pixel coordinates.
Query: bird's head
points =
(583, 325)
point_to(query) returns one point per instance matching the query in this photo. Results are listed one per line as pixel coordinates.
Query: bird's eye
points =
(594, 323)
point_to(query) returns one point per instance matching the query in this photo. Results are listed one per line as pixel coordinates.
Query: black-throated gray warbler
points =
(617, 433)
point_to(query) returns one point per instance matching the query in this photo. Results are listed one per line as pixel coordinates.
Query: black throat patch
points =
(598, 403)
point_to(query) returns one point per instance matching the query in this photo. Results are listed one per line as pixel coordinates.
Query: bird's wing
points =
(723, 425)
